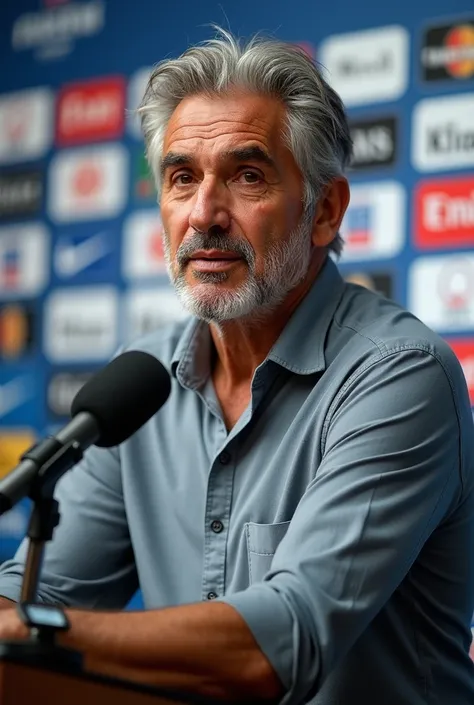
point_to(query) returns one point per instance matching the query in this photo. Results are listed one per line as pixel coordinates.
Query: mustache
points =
(214, 240)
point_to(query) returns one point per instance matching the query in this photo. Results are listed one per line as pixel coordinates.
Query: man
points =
(300, 513)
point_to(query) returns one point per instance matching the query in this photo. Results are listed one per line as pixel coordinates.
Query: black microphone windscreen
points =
(124, 395)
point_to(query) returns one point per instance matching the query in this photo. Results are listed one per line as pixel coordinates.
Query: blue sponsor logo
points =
(86, 256)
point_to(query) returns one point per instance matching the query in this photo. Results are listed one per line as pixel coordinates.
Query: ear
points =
(330, 211)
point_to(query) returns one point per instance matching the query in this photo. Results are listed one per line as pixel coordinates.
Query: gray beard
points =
(286, 265)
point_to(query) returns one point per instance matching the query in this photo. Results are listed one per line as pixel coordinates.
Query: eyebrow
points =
(249, 154)
(174, 159)
(240, 154)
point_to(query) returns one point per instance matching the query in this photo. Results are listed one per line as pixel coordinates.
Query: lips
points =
(221, 255)
(213, 260)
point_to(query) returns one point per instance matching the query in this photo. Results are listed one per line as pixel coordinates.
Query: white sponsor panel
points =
(136, 90)
(24, 260)
(374, 224)
(81, 324)
(441, 291)
(142, 252)
(88, 183)
(26, 124)
(369, 66)
(443, 133)
(147, 310)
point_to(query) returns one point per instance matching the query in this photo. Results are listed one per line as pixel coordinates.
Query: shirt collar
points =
(191, 361)
(300, 347)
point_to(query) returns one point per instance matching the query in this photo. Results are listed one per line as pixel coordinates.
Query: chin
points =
(212, 305)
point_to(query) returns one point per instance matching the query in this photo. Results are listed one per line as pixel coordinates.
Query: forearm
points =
(6, 603)
(205, 648)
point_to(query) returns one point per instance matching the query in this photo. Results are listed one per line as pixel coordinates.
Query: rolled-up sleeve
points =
(390, 472)
(89, 562)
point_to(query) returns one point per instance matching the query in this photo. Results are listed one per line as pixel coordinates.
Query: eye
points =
(251, 177)
(182, 178)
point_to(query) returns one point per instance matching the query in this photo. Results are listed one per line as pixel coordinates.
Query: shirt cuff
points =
(10, 588)
(275, 630)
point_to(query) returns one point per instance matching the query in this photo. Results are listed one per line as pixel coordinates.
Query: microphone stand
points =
(41, 648)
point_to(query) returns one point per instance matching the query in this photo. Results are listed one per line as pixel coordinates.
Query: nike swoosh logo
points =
(71, 259)
(13, 394)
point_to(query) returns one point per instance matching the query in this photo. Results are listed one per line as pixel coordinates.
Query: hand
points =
(11, 626)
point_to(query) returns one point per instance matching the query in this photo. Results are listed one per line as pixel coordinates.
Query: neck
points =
(243, 344)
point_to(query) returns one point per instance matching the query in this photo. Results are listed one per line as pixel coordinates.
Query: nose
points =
(210, 207)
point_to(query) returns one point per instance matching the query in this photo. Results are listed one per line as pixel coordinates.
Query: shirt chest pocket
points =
(262, 542)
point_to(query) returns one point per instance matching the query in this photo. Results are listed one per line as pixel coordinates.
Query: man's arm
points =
(390, 473)
(92, 515)
(203, 648)
(5, 603)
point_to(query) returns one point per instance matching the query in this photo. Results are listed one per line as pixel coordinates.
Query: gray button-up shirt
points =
(337, 516)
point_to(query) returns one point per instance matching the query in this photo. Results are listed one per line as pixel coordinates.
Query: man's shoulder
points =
(374, 325)
(163, 342)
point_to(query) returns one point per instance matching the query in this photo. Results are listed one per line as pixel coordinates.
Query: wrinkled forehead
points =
(219, 122)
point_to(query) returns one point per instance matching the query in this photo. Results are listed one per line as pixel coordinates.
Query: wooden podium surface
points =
(25, 685)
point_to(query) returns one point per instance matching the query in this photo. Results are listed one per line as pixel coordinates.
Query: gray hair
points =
(317, 132)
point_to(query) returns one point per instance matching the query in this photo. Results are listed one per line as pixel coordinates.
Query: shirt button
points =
(211, 595)
(224, 458)
(217, 526)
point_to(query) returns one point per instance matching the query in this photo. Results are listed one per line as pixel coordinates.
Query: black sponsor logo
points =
(62, 389)
(21, 193)
(448, 52)
(375, 142)
(450, 139)
(16, 330)
(381, 282)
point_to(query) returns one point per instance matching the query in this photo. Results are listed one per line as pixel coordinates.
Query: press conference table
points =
(23, 684)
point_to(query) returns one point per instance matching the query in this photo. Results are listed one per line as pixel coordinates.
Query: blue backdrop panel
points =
(81, 260)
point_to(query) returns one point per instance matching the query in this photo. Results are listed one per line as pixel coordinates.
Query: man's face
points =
(232, 206)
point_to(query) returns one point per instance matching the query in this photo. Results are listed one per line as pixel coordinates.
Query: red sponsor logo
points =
(460, 44)
(464, 351)
(88, 180)
(89, 111)
(444, 213)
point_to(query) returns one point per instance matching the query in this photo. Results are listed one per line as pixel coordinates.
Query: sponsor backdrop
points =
(81, 259)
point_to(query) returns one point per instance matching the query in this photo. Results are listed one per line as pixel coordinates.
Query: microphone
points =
(107, 410)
